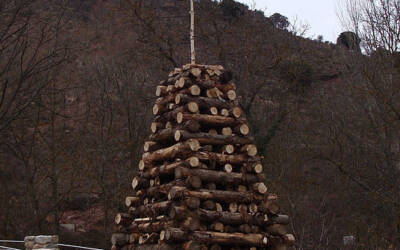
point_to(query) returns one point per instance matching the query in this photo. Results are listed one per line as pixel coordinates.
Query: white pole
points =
(192, 50)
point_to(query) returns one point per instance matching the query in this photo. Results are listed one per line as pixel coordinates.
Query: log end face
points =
(231, 95)
(179, 118)
(177, 135)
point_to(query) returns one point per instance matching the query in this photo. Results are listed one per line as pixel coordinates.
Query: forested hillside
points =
(77, 83)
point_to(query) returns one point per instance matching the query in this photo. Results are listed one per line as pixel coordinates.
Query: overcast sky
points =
(319, 14)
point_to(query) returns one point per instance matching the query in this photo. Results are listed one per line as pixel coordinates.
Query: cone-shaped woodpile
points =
(201, 183)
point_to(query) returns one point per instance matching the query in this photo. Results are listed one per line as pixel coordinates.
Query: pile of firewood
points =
(201, 184)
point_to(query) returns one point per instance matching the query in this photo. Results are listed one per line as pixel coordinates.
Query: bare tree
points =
(29, 52)
(376, 22)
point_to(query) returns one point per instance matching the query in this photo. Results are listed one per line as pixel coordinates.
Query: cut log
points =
(170, 115)
(242, 129)
(289, 239)
(229, 149)
(193, 161)
(213, 111)
(164, 101)
(141, 165)
(255, 167)
(216, 176)
(132, 201)
(253, 208)
(270, 205)
(194, 90)
(250, 149)
(236, 112)
(235, 218)
(211, 139)
(151, 146)
(159, 191)
(191, 126)
(159, 109)
(166, 169)
(171, 106)
(175, 234)
(233, 207)
(228, 168)
(231, 95)
(225, 112)
(139, 183)
(260, 187)
(179, 149)
(218, 207)
(149, 227)
(217, 195)
(203, 102)
(193, 107)
(181, 82)
(226, 87)
(163, 136)
(123, 219)
(196, 72)
(214, 93)
(227, 131)
(161, 90)
(156, 126)
(212, 120)
(155, 208)
(148, 219)
(168, 125)
(280, 219)
(222, 158)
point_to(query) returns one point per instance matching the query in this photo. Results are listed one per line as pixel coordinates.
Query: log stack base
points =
(200, 184)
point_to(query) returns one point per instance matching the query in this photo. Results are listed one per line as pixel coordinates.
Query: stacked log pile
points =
(201, 184)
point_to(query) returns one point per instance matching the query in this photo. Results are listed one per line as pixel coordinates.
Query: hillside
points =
(324, 118)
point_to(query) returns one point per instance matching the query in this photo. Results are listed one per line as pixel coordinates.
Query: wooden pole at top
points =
(192, 50)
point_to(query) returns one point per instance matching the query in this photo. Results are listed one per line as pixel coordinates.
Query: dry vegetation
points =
(77, 82)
